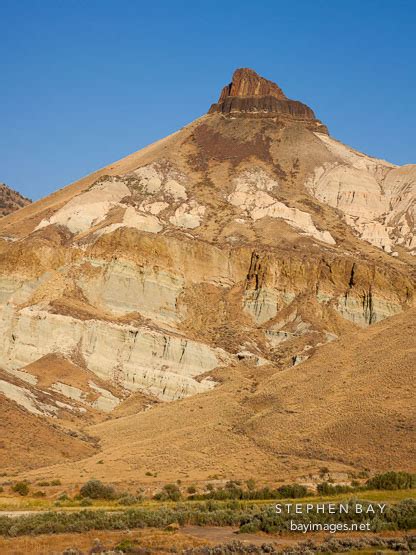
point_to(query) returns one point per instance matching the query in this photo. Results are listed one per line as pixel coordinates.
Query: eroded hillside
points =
(220, 258)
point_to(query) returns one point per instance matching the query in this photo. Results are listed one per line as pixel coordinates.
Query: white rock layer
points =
(251, 195)
(377, 199)
(136, 358)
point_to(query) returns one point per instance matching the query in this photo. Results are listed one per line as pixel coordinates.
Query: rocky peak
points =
(251, 95)
(246, 82)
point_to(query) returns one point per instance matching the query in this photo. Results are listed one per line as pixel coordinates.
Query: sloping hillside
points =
(197, 281)
(351, 407)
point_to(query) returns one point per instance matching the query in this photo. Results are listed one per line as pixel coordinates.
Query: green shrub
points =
(251, 484)
(247, 516)
(56, 483)
(126, 546)
(191, 490)
(86, 502)
(329, 489)
(392, 481)
(293, 491)
(128, 500)
(170, 492)
(233, 491)
(39, 494)
(22, 488)
(249, 528)
(95, 489)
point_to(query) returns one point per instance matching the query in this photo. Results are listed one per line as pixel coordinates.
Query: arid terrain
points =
(10, 200)
(236, 300)
(191, 540)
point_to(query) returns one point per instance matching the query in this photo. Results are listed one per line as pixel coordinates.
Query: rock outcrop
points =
(246, 82)
(251, 95)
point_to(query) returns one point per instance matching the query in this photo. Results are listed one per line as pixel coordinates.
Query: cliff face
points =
(10, 200)
(246, 82)
(239, 245)
(250, 95)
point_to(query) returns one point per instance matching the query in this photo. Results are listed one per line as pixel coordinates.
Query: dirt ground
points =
(160, 541)
(56, 544)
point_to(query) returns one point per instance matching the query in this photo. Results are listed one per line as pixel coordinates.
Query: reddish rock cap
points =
(250, 95)
(246, 82)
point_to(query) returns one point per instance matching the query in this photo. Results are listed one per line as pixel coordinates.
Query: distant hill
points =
(11, 200)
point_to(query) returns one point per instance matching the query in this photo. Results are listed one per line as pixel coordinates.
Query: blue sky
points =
(84, 83)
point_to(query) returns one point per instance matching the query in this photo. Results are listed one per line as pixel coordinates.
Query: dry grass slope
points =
(350, 407)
